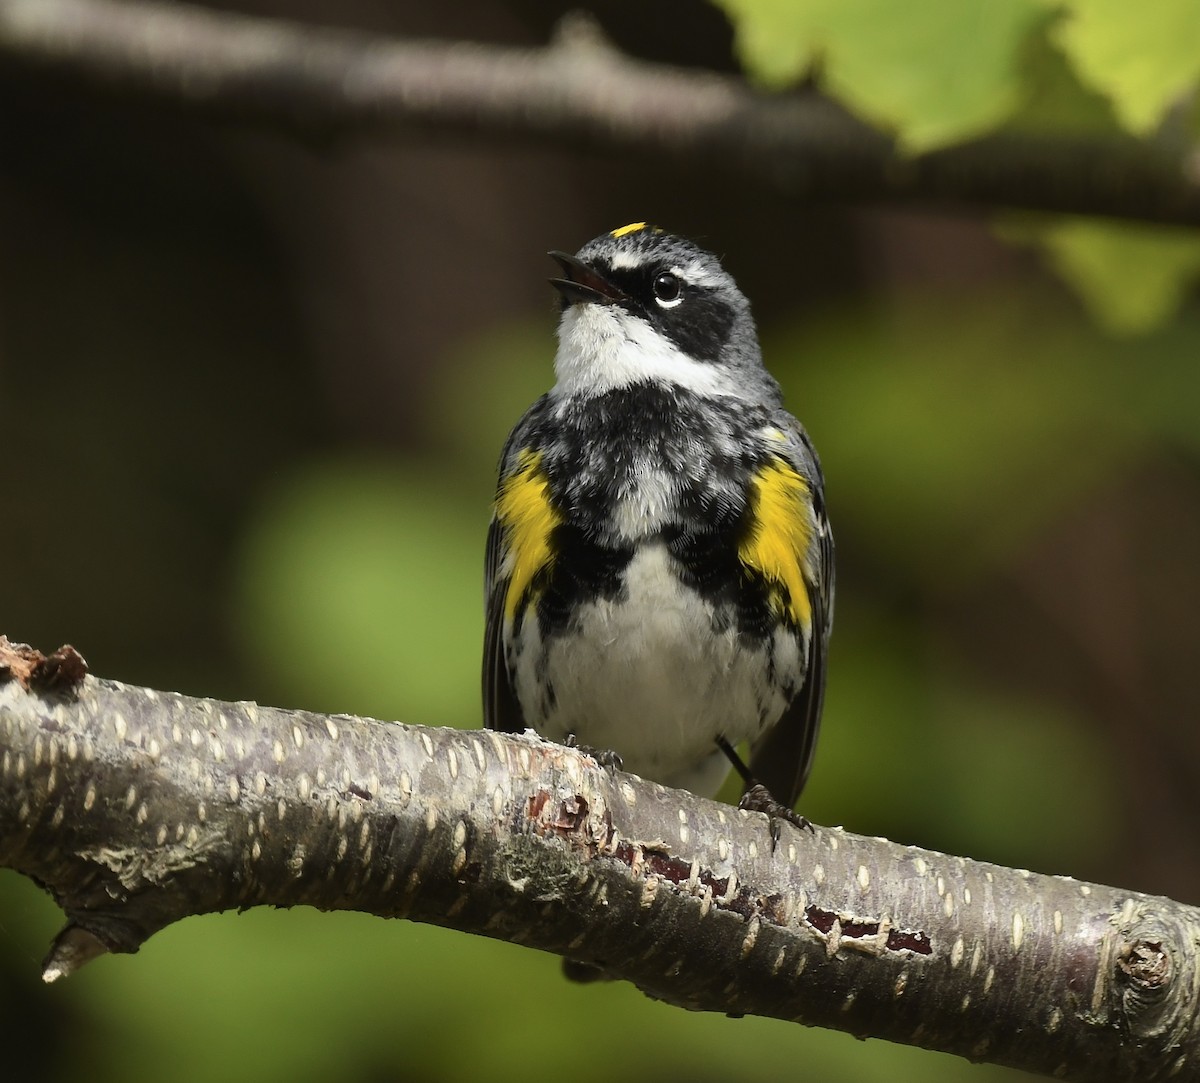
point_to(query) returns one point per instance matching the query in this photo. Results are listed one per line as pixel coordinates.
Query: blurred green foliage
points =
(1000, 380)
(975, 65)
(960, 427)
(1069, 67)
(968, 81)
(1132, 278)
(1144, 61)
(360, 590)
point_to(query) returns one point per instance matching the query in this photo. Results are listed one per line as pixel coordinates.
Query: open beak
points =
(581, 283)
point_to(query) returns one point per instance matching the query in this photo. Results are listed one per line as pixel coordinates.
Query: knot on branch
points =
(1146, 966)
(1148, 999)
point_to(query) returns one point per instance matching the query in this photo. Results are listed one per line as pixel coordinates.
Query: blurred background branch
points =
(580, 90)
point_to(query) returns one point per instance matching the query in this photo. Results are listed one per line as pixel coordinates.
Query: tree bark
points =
(578, 91)
(135, 808)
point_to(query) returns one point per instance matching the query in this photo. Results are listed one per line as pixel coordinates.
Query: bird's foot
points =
(757, 798)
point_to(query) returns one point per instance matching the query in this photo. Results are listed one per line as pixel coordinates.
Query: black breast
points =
(591, 448)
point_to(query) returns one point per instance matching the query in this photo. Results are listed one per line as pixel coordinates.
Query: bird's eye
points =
(667, 290)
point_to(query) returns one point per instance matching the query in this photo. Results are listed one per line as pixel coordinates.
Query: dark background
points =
(252, 389)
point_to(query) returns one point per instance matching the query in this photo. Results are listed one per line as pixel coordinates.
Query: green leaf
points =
(935, 72)
(1144, 58)
(1131, 277)
(1053, 100)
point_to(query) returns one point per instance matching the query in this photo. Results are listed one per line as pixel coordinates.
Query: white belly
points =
(651, 678)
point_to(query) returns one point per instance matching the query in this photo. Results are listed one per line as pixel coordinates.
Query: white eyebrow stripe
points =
(625, 261)
(696, 274)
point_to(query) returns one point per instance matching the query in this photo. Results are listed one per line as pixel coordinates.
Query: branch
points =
(136, 808)
(579, 91)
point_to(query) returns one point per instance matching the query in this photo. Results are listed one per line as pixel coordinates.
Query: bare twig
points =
(579, 90)
(137, 808)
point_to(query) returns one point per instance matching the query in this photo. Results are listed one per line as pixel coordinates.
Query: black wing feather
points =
(782, 759)
(500, 708)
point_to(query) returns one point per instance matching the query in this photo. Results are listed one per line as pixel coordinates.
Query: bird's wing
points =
(521, 521)
(782, 758)
(501, 711)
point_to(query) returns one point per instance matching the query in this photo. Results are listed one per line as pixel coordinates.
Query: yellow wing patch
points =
(780, 534)
(524, 510)
(633, 227)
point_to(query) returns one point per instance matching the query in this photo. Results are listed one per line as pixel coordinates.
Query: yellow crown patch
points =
(633, 227)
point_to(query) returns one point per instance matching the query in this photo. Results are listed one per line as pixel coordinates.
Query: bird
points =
(659, 579)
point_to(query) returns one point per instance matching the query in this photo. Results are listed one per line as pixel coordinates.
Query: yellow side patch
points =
(780, 534)
(633, 227)
(524, 510)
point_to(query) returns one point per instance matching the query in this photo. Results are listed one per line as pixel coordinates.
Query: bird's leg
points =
(757, 798)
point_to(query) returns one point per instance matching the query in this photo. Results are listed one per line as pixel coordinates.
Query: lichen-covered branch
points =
(577, 91)
(136, 808)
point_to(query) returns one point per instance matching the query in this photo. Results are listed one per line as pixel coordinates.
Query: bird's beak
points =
(581, 283)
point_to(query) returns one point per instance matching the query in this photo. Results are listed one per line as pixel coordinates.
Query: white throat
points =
(603, 347)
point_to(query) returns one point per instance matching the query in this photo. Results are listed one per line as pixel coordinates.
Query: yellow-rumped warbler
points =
(659, 564)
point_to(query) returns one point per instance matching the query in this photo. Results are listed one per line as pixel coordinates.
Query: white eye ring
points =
(668, 282)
